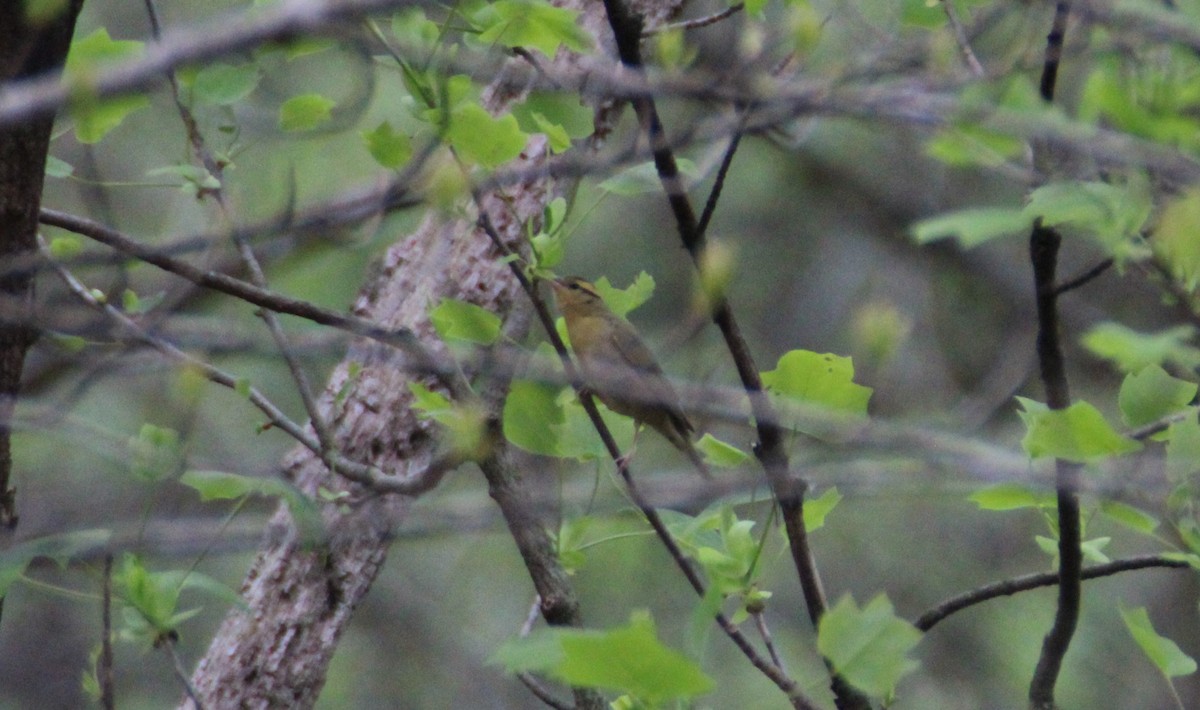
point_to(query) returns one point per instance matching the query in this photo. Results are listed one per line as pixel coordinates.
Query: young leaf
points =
(1011, 496)
(1129, 516)
(537, 24)
(459, 320)
(305, 112)
(719, 453)
(622, 301)
(60, 548)
(1162, 652)
(1078, 433)
(389, 148)
(481, 138)
(224, 84)
(1151, 394)
(1183, 450)
(868, 647)
(155, 453)
(817, 509)
(531, 413)
(1132, 351)
(972, 227)
(628, 659)
(1175, 240)
(818, 379)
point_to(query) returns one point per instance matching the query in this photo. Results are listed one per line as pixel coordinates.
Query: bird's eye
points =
(574, 287)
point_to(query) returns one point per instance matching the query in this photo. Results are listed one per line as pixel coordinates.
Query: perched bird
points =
(616, 363)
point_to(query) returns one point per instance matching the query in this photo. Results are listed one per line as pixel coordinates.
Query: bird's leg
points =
(624, 459)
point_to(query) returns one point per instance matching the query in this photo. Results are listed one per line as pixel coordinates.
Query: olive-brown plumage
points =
(616, 364)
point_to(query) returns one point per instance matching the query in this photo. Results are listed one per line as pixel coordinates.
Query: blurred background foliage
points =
(817, 224)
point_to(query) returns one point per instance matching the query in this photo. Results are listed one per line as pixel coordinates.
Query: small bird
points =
(616, 362)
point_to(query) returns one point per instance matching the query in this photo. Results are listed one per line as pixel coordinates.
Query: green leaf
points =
(480, 138)
(1093, 550)
(155, 453)
(1129, 516)
(869, 648)
(555, 134)
(622, 301)
(719, 453)
(57, 168)
(1078, 433)
(92, 53)
(65, 246)
(1132, 351)
(643, 178)
(531, 412)
(1113, 214)
(219, 485)
(1151, 394)
(95, 118)
(1183, 450)
(305, 112)
(628, 659)
(819, 508)
(1175, 240)
(577, 437)
(1011, 496)
(1162, 652)
(459, 320)
(464, 425)
(224, 84)
(967, 145)
(389, 148)
(61, 548)
(535, 23)
(972, 227)
(818, 379)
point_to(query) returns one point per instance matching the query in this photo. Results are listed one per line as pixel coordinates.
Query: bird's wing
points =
(636, 356)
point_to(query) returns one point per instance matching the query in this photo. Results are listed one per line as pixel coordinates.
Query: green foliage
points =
(548, 246)
(1131, 351)
(481, 138)
(195, 179)
(1183, 450)
(223, 84)
(1162, 652)
(819, 508)
(623, 300)
(459, 320)
(1175, 242)
(57, 168)
(60, 548)
(95, 118)
(531, 414)
(821, 380)
(1112, 214)
(1011, 496)
(151, 611)
(305, 112)
(220, 485)
(972, 227)
(719, 453)
(1129, 516)
(1078, 433)
(464, 426)
(389, 148)
(155, 454)
(532, 23)
(969, 145)
(868, 647)
(628, 659)
(1152, 394)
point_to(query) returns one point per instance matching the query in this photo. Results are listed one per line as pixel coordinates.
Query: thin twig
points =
(960, 37)
(177, 664)
(788, 490)
(369, 476)
(104, 667)
(697, 22)
(1084, 278)
(1024, 583)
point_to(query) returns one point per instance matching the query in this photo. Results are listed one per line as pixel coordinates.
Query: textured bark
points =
(26, 51)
